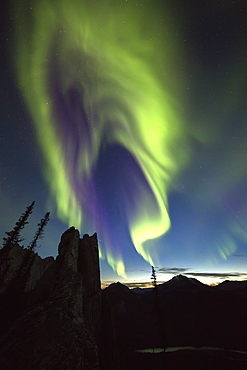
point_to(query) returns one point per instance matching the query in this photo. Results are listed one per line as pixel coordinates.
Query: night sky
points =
(129, 118)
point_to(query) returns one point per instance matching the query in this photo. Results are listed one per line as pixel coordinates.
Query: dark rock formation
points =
(50, 309)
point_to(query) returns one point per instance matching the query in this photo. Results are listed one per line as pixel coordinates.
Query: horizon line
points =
(220, 278)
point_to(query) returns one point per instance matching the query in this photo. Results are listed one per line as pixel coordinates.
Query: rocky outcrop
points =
(14, 259)
(89, 268)
(51, 308)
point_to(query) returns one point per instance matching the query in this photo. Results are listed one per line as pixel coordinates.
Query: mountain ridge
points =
(180, 281)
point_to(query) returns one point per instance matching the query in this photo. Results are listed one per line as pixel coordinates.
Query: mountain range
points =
(180, 312)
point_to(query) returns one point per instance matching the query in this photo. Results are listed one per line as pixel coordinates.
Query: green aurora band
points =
(121, 58)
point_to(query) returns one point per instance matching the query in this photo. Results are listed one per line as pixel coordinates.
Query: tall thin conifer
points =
(13, 236)
(40, 232)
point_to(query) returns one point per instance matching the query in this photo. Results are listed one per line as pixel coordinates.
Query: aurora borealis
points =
(137, 116)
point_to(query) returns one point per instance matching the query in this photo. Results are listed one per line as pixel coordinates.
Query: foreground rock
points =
(51, 309)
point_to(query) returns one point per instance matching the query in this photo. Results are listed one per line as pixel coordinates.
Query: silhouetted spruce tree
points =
(153, 277)
(14, 295)
(159, 315)
(21, 275)
(13, 236)
(40, 232)
(13, 299)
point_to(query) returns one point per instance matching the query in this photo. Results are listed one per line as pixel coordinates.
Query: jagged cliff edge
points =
(51, 308)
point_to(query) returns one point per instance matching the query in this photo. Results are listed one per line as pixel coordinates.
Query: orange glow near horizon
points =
(210, 281)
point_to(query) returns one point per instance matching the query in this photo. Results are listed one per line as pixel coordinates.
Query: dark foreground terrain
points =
(55, 316)
(181, 313)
